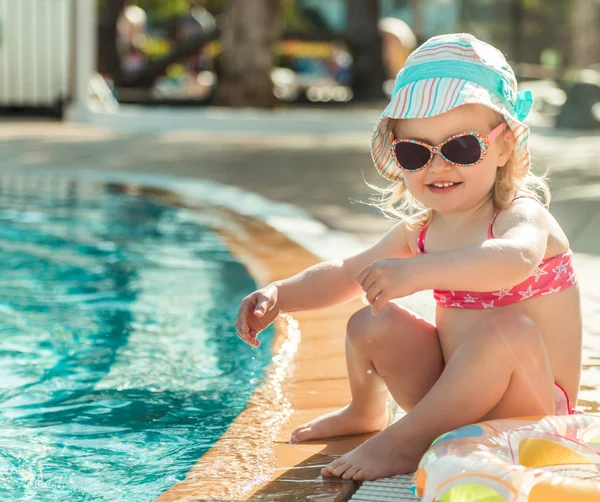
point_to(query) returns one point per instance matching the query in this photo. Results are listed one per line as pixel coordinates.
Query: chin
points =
(447, 206)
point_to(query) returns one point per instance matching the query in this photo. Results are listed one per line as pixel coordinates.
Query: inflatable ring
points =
(550, 459)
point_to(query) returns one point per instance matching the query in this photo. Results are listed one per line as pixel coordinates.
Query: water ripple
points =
(119, 364)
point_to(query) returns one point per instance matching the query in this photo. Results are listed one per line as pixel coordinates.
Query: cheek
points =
(415, 181)
(483, 174)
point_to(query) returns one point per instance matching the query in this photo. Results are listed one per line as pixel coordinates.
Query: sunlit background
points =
(119, 364)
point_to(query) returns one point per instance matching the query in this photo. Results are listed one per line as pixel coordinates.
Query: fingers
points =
(253, 308)
(371, 283)
(248, 336)
(265, 301)
(372, 294)
(363, 274)
(241, 325)
(263, 305)
(242, 332)
(252, 340)
(379, 303)
(242, 328)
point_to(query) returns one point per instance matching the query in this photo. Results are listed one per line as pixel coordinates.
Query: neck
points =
(482, 210)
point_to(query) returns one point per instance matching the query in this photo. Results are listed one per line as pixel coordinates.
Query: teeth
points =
(443, 185)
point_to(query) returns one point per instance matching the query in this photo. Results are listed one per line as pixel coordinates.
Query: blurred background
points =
(280, 53)
(110, 109)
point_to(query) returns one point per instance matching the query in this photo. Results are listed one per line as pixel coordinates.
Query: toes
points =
(341, 469)
(330, 469)
(300, 434)
(349, 474)
(359, 475)
(326, 473)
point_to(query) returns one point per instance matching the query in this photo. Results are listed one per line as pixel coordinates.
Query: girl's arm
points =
(322, 285)
(497, 263)
(333, 282)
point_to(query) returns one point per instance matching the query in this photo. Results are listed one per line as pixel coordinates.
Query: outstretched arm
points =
(333, 282)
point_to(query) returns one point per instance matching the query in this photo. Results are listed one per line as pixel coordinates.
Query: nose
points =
(439, 164)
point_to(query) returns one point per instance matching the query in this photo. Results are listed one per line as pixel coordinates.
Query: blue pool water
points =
(119, 364)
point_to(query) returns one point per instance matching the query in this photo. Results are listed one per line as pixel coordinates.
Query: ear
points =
(507, 146)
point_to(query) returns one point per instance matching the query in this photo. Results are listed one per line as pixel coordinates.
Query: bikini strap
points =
(490, 233)
(421, 240)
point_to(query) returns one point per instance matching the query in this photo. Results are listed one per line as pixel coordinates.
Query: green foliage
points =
(544, 25)
(176, 71)
(162, 10)
(292, 18)
(551, 58)
(532, 4)
(156, 48)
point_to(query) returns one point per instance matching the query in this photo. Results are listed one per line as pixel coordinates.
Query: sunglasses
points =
(464, 149)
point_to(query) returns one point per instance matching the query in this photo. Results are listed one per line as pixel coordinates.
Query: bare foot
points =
(343, 422)
(379, 457)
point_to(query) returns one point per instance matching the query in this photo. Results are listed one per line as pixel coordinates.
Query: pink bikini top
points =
(552, 275)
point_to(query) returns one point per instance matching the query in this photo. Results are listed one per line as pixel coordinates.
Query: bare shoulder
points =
(402, 239)
(530, 215)
(524, 211)
(394, 244)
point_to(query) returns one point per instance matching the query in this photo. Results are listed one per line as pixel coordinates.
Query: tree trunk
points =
(249, 36)
(364, 41)
(417, 14)
(517, 15)
(586, 41)
(108, 56)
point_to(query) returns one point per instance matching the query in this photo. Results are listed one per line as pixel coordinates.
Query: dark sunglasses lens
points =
(462, 150)
(411, 156)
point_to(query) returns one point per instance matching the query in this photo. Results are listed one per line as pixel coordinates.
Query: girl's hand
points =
(257, 311)
(384, 280)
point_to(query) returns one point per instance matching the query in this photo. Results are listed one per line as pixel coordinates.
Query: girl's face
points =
(472, 185)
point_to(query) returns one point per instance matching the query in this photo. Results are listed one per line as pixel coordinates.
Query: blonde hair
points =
(396, 202)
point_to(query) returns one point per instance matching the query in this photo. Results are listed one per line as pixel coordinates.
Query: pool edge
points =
(312, 381)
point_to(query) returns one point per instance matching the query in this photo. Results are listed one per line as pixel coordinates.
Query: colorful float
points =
(550, 459)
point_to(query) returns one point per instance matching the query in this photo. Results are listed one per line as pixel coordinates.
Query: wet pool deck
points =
(324, 175)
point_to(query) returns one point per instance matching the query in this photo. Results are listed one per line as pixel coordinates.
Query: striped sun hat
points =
(445, 72)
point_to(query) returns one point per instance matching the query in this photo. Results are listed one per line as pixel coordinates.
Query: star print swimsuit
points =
(551, 276)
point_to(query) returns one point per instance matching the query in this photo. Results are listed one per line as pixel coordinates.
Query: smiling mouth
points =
(445, 184)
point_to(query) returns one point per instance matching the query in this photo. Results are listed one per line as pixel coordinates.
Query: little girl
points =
(507, 337)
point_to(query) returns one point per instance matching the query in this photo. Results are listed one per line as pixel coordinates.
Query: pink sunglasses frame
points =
(484, 142)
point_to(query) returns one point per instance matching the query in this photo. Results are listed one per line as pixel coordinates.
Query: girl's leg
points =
(395, 349)
(502, 370)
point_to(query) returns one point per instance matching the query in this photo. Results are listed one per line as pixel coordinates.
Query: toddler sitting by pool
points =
(507, 337)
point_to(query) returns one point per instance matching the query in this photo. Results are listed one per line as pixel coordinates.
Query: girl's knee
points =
(364, 328)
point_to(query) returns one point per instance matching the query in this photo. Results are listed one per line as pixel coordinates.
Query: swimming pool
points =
(119, 362)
